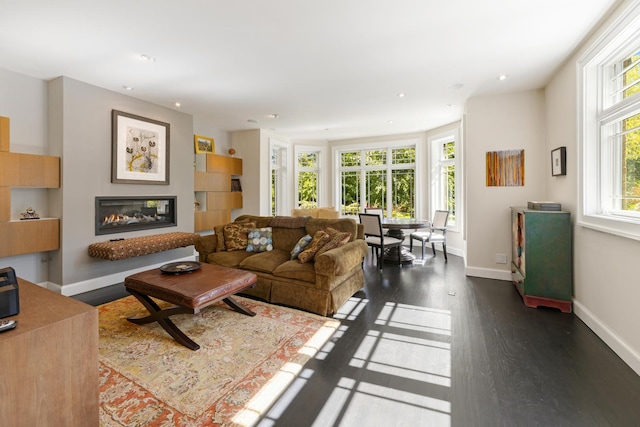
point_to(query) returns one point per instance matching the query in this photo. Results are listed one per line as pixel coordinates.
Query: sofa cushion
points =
(260, 240)
(265, 262)
(228, 259)
(236, 235)
(312, 212)
(299, 247)
(338, 238)
(320, 238)
(296, 271)
(289, 221)
(260, 221)
(219, 231)
(340, 224)
(328, 213)
(286, 238)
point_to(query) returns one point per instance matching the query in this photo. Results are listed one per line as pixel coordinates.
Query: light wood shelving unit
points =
(215, 182)
(25, 170)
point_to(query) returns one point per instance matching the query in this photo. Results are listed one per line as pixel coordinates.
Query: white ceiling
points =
(330, 69)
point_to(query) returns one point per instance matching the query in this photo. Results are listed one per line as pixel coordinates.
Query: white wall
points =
(493, 123)
(606, 291)
(252, 146)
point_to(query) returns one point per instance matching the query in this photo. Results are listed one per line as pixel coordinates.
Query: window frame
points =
(595, 176)
(363, 169)
(436, 196)
(282, 190)
(320, 151)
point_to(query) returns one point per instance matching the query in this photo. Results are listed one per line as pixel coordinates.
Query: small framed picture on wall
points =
(559, 161)
(203, 144)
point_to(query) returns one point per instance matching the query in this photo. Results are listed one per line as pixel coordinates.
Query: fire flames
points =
(122, 219)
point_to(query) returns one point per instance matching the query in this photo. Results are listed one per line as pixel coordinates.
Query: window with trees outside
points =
(279, 179)
(610, 165)
(308, 178)
(378, 178)
(443, 175)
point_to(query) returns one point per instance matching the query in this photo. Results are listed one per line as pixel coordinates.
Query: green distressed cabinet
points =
(541, 266)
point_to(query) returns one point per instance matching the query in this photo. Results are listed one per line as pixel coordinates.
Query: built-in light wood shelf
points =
(32, 171)
(29, 236)
(219, 199)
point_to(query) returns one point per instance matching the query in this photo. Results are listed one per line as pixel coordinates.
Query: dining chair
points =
(377, 211)
(376, 239)
(437, 234)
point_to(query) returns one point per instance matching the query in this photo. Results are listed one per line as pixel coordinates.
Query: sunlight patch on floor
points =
(351, 309)
(366, 404)
(414, 358)
(415, 318)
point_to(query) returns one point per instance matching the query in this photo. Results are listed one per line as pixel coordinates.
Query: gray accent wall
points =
(79, 129)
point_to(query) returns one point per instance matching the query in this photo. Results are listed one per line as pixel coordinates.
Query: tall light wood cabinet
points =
(25, 170)
(214, 187)
(541, 264)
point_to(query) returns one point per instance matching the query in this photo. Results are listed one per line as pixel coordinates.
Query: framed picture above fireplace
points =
(140, 152)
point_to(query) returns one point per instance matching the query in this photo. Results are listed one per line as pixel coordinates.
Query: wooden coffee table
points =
(189, 292)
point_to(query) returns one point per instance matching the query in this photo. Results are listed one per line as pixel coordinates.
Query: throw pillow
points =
(236, 235)
(219, 231)
(260, 240)
(300, 246)
(319, 240)
(338, 239)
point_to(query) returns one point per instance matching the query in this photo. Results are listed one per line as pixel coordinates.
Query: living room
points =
(68, 118)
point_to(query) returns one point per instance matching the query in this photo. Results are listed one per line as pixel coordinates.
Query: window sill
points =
(606, 224)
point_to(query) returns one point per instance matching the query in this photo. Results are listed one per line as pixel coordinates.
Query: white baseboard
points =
(488, 273)
(104, 281)
(626, 353)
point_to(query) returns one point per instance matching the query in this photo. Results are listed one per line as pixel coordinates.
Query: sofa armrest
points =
(205, 245)
(342, 260)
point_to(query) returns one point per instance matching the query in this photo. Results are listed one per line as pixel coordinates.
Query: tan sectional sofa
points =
(320, 286)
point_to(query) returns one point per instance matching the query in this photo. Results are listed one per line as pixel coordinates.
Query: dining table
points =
(396, 227)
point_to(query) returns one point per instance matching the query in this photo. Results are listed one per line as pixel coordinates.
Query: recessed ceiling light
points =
(125, 87)
(177, 104)
(502, 77)
(449, 105)
(390, 121)
(252, 121)
(272, 116)
(147, 58)
(402, 95)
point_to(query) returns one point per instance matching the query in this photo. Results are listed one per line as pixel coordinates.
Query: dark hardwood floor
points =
(428, 346)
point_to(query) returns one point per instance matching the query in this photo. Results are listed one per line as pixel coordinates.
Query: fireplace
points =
(123, 214)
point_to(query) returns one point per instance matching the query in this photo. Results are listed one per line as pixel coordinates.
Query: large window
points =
(443, 175)
(308, 177)
(378, 178)
(610, 126)
(279, 178)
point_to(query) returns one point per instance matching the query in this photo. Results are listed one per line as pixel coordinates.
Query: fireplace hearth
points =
(123, 214)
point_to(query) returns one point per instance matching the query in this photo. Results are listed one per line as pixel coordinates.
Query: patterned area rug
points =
(244, 363)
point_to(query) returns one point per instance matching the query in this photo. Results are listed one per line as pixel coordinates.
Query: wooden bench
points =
(114, 250)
